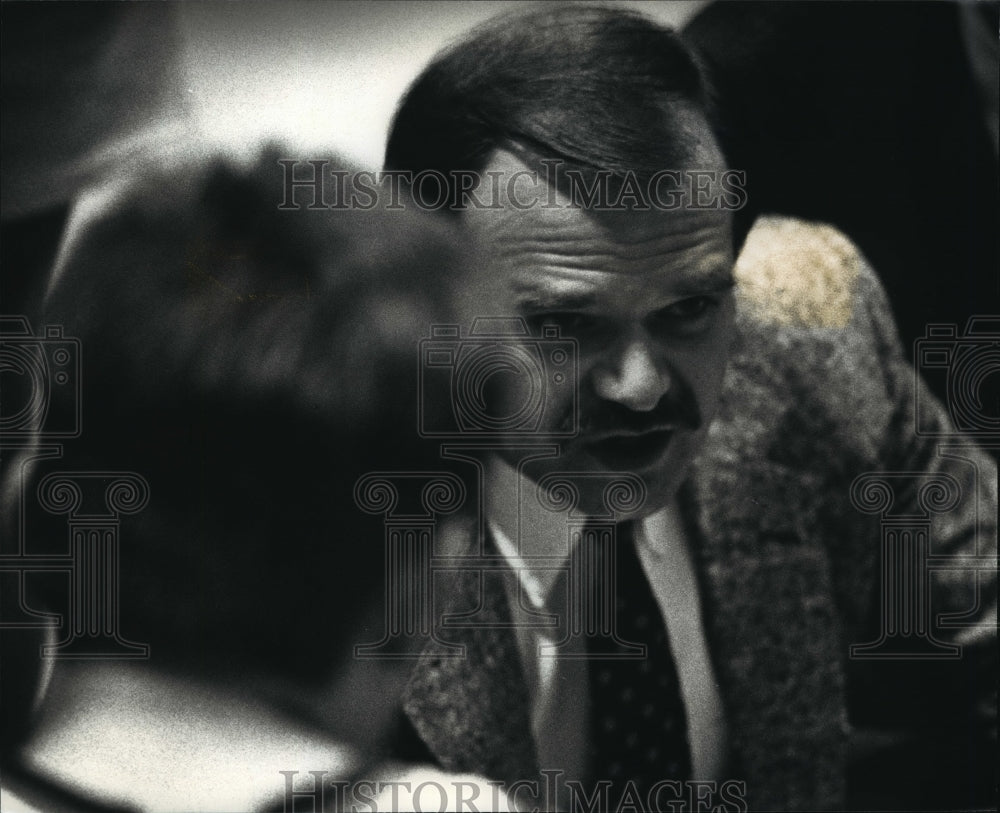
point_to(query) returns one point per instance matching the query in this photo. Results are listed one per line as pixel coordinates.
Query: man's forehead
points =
(524, 206)
(564, 258)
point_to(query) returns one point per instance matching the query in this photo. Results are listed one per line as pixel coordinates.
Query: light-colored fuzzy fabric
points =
(770, 271)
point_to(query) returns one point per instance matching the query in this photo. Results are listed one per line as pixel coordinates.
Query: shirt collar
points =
(525, 533)
(530, 537)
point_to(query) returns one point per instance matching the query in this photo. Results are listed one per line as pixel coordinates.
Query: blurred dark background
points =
(880, 118)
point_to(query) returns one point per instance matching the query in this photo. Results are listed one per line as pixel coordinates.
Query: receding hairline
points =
(478, 94)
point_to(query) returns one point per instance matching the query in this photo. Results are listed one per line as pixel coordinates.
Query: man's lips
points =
(630, 452)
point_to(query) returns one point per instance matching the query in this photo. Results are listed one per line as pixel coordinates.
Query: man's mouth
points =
(630, 452)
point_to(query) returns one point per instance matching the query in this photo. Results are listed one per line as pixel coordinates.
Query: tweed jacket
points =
(787, 541)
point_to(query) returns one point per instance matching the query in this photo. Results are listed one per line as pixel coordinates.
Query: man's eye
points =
(569, 324)
(690, 308)
(689, 316)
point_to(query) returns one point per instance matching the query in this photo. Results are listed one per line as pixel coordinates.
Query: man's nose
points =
(632, 375)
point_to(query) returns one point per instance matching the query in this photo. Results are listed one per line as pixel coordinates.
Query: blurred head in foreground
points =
(249, 364)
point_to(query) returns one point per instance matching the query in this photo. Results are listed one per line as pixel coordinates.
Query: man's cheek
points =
(706, 363)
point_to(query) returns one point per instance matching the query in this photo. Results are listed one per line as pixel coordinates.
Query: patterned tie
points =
(638, 724)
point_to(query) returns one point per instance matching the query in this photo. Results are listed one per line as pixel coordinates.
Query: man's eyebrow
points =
(532, 299)
(716, 283)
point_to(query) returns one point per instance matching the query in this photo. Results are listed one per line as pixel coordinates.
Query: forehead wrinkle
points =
(696, 259)
(704, 237)
(579, 285)
(575, 279)
(651, 247)
(639, 244)
(582, 260)
(555, 292)
(547, 213)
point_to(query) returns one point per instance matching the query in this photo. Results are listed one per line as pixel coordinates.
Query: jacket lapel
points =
(472, 708)
(771, 624)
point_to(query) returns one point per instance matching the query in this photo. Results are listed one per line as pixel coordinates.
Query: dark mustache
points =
(678, 407)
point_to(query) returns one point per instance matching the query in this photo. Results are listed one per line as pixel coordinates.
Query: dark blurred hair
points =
(250, 363)
(596, 87)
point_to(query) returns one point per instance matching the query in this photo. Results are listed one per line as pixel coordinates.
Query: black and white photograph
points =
(468, 406)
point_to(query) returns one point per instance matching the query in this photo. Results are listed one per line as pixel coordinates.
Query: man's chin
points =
(659, 459)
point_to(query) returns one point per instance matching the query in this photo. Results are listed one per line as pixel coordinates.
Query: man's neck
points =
(525, 531)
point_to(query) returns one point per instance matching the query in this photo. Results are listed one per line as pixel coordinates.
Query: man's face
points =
(647, 296)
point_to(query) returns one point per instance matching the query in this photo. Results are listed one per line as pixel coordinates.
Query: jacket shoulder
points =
(798, 274)
(815, 368)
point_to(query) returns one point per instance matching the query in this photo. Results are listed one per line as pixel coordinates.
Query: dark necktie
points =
(638, 723)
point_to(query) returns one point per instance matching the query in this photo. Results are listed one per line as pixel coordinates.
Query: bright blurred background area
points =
(88, 87)
(318, 74)
(92, 91)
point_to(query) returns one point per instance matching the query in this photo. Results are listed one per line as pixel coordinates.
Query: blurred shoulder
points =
(815, 368)
(799, 274)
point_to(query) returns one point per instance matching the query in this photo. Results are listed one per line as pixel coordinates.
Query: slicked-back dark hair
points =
(597, 87)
